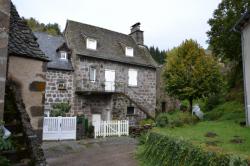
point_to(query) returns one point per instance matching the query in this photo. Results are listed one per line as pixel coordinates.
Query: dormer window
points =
(91, 43)
(63, 55)
(129, 51)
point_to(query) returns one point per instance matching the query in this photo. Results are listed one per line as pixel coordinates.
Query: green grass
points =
(224, 121)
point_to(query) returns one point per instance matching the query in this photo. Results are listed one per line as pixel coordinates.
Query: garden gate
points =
(59, 128)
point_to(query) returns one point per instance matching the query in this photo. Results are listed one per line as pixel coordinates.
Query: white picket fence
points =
(59, 128)
(111, 128)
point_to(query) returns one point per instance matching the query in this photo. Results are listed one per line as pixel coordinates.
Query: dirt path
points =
(101, 152)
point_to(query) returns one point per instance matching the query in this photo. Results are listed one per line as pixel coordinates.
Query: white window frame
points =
(129, 51)
(91, 44)
(94, 69)
(63, 55)
(132, 81)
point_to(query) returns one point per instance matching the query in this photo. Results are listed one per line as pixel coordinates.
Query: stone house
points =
(104, 75)
(25, 66)
(243, 26)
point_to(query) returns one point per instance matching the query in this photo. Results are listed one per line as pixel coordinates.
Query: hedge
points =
(160, 150)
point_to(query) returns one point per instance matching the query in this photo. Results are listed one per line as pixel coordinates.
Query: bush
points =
(60, 109)
(184, 105)
(162, 120)
(146, 122)
(4, 161)
(212, 102)
(162, 150)
(179, 119)
(226, 111)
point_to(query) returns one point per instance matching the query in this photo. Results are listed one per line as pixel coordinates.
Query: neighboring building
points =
(165, 103)
(113, 74)
(27, 67)
(243, 25)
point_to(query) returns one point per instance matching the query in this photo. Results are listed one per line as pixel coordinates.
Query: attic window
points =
(63, 55)
(91, 43)
(129, 51)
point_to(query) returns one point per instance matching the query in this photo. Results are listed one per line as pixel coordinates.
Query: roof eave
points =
(241, 23)
(116, 60)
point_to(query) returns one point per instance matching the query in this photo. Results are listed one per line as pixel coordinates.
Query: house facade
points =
(243, 26)
(112, 76)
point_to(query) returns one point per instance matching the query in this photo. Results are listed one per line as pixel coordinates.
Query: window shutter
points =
(132, 77)
(92, 74)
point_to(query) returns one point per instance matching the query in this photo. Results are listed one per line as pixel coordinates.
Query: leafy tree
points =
(159, 56)
(36, 26)
(191, 74)
(224, 42)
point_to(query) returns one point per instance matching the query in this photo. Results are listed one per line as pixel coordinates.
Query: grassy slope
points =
(225, 124)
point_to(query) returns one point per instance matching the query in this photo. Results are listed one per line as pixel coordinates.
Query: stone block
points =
(36, 111)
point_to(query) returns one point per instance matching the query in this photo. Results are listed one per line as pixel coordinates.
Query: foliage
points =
(162, 120)
(224, 42)
(179, 118)
(90, 133)
(191, 74)
(146, 122)
(160, 150)
(213, 101)
(227, 111)
(4, 161)
(60, 109)
(159, 56)
(184, 105)
(36, 26)
(142, 138)
(5, 144)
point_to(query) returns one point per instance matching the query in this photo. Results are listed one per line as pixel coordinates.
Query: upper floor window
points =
(132, 77)
(63, 55)
(129, 51)
(92, 74)
(91, 43)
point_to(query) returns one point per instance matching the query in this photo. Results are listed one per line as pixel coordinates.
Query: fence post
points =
(119, 128)
(104, 129)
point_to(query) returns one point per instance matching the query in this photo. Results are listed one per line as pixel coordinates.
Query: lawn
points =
(222, 135)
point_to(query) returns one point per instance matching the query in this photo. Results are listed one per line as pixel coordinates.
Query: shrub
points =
(4, 161)
(212, 102)
(60, 109)
(162, 150)
(146, 122)
(90, 132)
(184, 105)
(162, 120)
(179, 119)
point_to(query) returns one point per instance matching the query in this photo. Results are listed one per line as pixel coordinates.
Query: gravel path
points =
(99, 152)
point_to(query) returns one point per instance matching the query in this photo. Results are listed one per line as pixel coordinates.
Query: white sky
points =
(166, 23)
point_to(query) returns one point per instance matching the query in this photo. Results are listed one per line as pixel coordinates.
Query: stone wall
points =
(4, 28)
(144, 93)
(32, 86)
(53, 93)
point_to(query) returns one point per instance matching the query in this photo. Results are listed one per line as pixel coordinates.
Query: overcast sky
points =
(166, 23)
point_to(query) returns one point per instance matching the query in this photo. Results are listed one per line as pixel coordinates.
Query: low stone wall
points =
(32, 140)
(137, 131)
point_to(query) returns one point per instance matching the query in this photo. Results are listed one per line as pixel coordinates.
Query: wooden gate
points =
(59, 128)
(111, 128)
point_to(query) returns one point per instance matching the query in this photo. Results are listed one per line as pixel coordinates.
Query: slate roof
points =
(110, 45)
(49, 45)
(22, 41)
(242, 21)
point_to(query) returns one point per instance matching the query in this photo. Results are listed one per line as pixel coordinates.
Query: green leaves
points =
(191, 74)
(162, 150)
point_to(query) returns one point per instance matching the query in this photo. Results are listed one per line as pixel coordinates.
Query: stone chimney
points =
(137, 34)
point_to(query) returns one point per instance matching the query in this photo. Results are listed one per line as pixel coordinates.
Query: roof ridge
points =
(99, 27)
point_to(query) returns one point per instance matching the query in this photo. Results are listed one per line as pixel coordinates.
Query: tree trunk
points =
(190, 104)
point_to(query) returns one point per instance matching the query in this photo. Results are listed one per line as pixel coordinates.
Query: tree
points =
(191, 74)
(159, 56)
(36, 26)
(224, 42)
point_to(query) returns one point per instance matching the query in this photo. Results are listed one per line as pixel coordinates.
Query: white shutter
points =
(132, 77)
(92, 74)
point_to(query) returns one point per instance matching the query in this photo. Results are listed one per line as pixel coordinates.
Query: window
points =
(130, 110)
(91, 43)
(132, 77)
(92, 74)
(129, 51)
(63, 55)
(61, 85)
